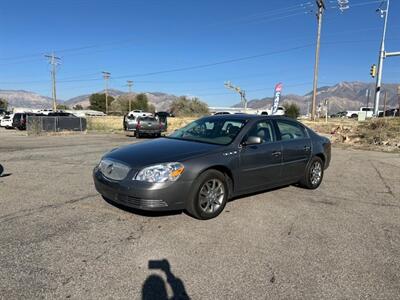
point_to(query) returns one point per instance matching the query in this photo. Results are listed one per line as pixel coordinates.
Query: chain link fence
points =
(39, 124)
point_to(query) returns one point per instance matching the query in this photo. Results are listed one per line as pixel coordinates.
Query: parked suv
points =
(7, 121)
(20, 120)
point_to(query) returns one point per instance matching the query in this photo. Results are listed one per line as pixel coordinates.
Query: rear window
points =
(148, 119)
(291, 131)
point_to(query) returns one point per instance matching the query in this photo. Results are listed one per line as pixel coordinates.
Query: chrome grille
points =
(113, 170)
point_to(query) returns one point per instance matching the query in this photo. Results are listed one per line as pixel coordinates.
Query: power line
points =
(222, 62)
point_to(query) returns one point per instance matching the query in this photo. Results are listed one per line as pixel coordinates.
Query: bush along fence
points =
(39, 124)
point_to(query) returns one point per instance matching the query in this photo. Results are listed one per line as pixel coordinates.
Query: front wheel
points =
(210, 194)
(313, 174)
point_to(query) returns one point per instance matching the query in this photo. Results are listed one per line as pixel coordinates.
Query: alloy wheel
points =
(316, 173)
(211, 195)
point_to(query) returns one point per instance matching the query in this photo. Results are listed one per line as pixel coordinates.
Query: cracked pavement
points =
(60, 239)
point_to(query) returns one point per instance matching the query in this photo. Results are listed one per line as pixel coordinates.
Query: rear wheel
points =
(313, 174)
(209, 197)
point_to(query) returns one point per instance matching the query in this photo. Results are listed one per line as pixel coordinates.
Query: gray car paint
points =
(235, 160)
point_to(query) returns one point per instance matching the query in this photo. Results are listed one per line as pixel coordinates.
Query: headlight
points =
(161, 173)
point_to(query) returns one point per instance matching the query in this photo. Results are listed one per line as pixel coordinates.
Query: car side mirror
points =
(252, 140)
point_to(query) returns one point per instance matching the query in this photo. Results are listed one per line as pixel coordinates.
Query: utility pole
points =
(238, 90)
(384, 14)
(130, 84)
(54, 61)
(321, 8)
(106, 76)
(326, 110)
(367, 92)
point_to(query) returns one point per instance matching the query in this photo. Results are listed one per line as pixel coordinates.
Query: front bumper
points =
(143, 195)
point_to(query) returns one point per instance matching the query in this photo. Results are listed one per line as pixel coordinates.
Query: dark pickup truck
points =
(148, 126)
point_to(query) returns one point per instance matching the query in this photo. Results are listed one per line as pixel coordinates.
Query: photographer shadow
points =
(155, 286)
(1, 172)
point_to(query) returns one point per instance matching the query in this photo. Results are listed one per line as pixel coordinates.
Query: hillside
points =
(342, 96)
(21, 98)
(161, 101)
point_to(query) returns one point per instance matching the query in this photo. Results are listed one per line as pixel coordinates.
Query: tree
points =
(3, 103)
(292, 110)
(141, 102)
(138, 102)
(124, 102)
(184, 107)
(78, 107)
(98, 102)
(62, 107)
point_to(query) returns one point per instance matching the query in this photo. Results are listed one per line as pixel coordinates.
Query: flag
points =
(277, 97)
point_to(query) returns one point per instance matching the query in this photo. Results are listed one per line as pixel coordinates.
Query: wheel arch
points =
(321, 156)
(228, 174)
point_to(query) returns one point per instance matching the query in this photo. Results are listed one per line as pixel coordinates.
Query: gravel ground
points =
(60, 239)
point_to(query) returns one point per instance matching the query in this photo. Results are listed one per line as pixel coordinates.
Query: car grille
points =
(113, 170)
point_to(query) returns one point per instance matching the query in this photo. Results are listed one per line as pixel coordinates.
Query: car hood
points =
(159, 151)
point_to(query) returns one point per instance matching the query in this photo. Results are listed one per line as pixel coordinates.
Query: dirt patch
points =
(382, 134)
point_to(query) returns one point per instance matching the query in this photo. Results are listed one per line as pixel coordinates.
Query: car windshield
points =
(212, 131)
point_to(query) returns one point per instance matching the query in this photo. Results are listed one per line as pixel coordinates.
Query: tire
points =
(209, 196)
(314, 174)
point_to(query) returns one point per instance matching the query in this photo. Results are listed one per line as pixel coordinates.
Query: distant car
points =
(369, 112)
(268, 112)
(394, 112)
(131, 119)
(218, 113)
(20, 120)
(213, 159)
(148, 126)
(60, 114)
(7, 122)
(340, 114)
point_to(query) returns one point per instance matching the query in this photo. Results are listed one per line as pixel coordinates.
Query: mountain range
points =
(342, 96)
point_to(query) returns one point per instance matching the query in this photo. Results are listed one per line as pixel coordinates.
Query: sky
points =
(187, 47)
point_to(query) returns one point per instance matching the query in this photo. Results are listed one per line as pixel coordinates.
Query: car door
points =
(296, 148)
(260, 164)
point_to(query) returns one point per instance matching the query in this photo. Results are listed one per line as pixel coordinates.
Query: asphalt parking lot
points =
(60, 239)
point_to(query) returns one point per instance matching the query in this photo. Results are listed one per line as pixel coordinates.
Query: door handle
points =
(307, 148)
(276, 153)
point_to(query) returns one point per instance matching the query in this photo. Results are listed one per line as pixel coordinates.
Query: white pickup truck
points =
(280, 112)
(354, 113)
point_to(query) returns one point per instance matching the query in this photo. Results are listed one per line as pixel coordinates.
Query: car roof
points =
(247, 117)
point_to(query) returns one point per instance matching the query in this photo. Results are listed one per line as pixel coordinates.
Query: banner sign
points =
(277, 97)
